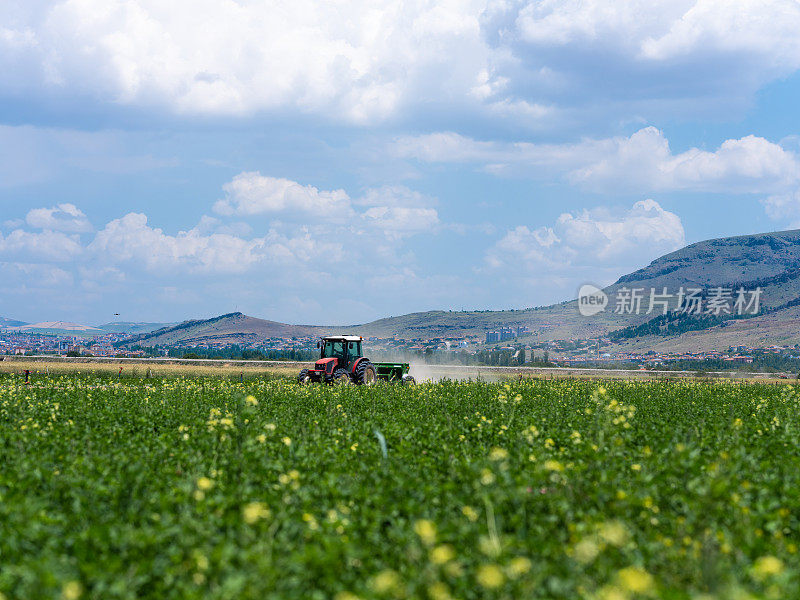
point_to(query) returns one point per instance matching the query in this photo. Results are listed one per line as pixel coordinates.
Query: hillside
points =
(768, 260)
(233, 328)
(5, 322)
(133, 328)
(60, 328)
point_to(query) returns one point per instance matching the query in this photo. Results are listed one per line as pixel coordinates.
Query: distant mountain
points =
(60, 328)
(233, 328)
(4, 322)
(132, 328)
(770, 261)
(767, 260)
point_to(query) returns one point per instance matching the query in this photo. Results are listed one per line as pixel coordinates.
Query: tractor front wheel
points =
(341, 377)
(365, 373)
(408, 380)
(304, 377)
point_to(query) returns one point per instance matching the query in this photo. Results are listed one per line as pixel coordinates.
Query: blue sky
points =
(339, 162)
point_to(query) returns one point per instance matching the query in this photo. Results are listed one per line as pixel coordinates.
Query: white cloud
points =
(62, 217)
(371, 60)
(784, 207)
(131, 240)
(26, 276)
(362, 60)
(391, 210)
(591, 238)
(717, 53)
(47, 245)
(642, 162)
(402, 220)
(251, 193)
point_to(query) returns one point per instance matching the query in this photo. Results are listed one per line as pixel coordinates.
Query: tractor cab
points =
(344, 348)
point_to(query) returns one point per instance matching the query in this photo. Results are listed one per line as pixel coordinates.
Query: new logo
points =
(591, 300)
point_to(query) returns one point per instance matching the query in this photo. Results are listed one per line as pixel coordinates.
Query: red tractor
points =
(341, 361)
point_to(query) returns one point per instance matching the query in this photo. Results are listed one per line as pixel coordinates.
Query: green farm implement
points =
(341, 361)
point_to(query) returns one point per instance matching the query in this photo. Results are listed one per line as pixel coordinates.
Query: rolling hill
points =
(132, 328)
(5, 322)
(60, 328)
(770, 261)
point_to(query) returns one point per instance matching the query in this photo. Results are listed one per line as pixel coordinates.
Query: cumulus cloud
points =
(591, 237)
(718, 53)
(48, 245)
(391, 210)
(402, 220)
(361, 61)
(784, 207)
(131, 240)
(367, 60)
(251, 193)
(641, 162)
(62, 217)
(26, 276)
(644, 161)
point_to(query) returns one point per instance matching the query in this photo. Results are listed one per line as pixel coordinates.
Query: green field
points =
(208, 488)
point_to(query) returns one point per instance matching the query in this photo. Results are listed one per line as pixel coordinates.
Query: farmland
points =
(205, 487)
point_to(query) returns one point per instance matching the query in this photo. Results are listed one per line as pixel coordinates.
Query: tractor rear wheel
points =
(341, 377)
(365, 373)
(304, 377)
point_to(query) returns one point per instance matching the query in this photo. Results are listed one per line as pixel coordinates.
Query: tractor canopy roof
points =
(344, 338)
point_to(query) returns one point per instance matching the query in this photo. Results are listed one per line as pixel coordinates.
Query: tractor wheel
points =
(304, 377)
(365, 373)
(408, 380)
(341, 377)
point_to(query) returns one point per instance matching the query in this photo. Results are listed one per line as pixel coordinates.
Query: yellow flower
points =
(498, 454)
(490, 576)
(426, 530)
(71, 590)
(610, 592)
(385, 581)
(487, 477)
(204, 484)
(614, 533)
(767, 566)
(251, 400)
(737, 422)
(202, 561)
(635, 579)
(261, 438)
(254, 511)
(636, 467)
(287, 441)
(346, 596)
(470, 513)
(354, 447)
(311, 520)
(442, 554)
(586, 551)
(518, 566)
(439, 591)
(553, 465)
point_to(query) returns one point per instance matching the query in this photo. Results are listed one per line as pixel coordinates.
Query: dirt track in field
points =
(157, 367)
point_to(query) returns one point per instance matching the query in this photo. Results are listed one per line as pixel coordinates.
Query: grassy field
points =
(204, 487)
(143, 369)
